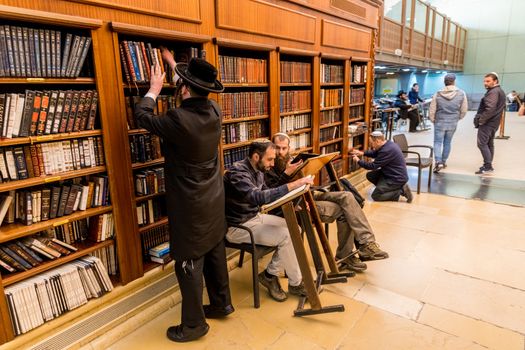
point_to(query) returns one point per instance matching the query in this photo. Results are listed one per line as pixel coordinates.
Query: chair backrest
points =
(401, 141)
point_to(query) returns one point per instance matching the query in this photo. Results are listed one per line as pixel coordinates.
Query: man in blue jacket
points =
(389, 170)
(487, 120)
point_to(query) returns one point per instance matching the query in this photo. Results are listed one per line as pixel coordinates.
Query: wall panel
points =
(345, 37)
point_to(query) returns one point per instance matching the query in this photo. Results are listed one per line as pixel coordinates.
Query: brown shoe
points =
(297, 290)
(273, 286)
(353, 263)
(371, 251)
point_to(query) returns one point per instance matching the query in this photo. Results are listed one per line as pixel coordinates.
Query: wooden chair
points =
(418, 161)
(257, 251)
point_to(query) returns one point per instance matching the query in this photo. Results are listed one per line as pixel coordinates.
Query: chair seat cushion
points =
(425, 162)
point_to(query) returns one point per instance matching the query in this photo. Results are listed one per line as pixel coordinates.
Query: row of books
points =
(153, 237)
(295, 100)
(333, 147)
(243, 104)
(151, 211)
(47, 112)
(239, 132)
(243, 70)
(95, 228)
(234, 155)
(331, 97)
(108, 257)
(36, 204)
(53, 293)
(30, 52)
(160, 253)
(144, 148)
(330, 116)
(332, 73)
(18, 163)
(357, 95)
(295, 72)
(149, 182)
(164, 102)
(301, 141)
(357, 112)
(359, 72)
(329, 134)
(296, 122)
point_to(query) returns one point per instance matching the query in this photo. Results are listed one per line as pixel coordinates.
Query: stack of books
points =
(160, 253)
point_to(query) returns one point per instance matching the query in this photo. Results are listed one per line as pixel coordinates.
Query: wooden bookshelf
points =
(326, 143)
(139, 199)
(324, 126)
(331, 108)
(341, 84)
(356, 104)
(154, 162)
(299, 131)
(47, 81)
(245, 85)
(83, 249)
(137, 131)
(160, 222)
(244, 119)
(303, 111)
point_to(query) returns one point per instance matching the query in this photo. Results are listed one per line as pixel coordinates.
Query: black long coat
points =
(194, 185)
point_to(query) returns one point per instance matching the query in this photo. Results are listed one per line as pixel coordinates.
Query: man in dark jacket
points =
(194, 191)
(407, 110)
(389, 170)
(413, 94)
(487, 121)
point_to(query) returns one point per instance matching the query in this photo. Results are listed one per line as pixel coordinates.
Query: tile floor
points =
(454, 280)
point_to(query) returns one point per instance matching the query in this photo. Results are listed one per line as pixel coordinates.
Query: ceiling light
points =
(424, 71)
(406, 69)
(390, 73)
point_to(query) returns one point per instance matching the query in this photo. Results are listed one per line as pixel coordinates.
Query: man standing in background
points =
(448, 106)
(413, 94)
(487, 120)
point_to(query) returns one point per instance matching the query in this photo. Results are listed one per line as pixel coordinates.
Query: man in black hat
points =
(407, 110)
(194, 191)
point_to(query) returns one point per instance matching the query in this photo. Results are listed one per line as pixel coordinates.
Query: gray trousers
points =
(272, 231)
(486, 144)
(351, 220)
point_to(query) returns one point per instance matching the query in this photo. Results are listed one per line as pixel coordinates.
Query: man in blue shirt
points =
(389, 170)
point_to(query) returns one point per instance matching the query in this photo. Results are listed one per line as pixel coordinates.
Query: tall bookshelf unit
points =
(292, 32)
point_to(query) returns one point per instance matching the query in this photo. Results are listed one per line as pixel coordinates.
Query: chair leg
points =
(241, 258)
(418, 180)
(429, 177)
(255, 280)
(326, 226)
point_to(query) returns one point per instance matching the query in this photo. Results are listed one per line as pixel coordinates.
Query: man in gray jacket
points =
(487, 120)
(448, 106)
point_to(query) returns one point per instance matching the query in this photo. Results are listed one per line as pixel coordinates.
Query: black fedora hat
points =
(199, 74)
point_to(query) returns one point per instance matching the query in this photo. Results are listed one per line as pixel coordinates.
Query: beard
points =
(260, 166)
(281, 162)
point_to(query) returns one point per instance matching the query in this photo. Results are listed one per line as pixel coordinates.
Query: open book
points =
(312, 166)
(285, 199)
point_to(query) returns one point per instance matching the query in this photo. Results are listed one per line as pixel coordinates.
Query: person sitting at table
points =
(407, 110)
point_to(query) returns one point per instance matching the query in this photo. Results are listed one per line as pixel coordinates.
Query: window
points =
(452, 34)
(393, 9)
(408, 13)
(430, 22)
(420, 17)
(438, 31)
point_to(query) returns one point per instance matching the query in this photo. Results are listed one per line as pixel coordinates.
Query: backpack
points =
(347, 186)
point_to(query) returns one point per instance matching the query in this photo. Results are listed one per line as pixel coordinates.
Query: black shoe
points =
(485, 171)
(182, 334)
(353, 263)
(273, 286)
(212, 311)
(439, 166)
(406, 192)
(297, 290)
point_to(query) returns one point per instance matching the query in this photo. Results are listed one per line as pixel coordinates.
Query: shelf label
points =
(44, 138)
(34, 79)
(61, 222)
(52, 179)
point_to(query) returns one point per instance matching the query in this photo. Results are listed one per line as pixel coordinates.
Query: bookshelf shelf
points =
(158, 223)
(330, 108)
(139, 199)
(304, 149)
(83, 249)
(356, 104)
(326, 143)
(296, 84)
(41, 180)
(245, 85)
(18, 230)
(145, 85)
(324, 126)
(358, 119)
(357, 134)
(236, 144)
(357, 84)
(158, 161)
(295, 112)
(138, 131)
(60, 81)
(299, 131)
(332, 84)
(244, 119)
(46, 138)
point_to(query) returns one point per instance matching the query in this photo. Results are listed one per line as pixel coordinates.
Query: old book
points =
(64, 244)
(58, 45)
(132, 52)
(35, 243)
(53, 99)
(73, 111)
(124, 64)
(34, 160)
(25, 124)
(29, 161)
(31, 50)
(95, 228)
(20, 162)
(11, 164)
(127, 54)
(82, 57)
(52, 43)
(36, 52)
(47, 43)
(42, 117)
(5, 115)
(29, 252)
(10, 51)
(40, 159)
(65, 56)
(50, 244)
(21, 261)
(22, 253)
(66, 111)
(55, 201)
(81, 122)
(92, 112)
(37, 101)
(4, 173)
(8, 259)
(80, 110)
(18, 45)
(5, 204)
(20, 105)
(64, 195)
(59, 112)
(78, 194)
(75, 56)
(9, 118)
(46, 204)
(91, 190)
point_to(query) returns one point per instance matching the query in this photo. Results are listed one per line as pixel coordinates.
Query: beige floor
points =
(465, 157)
(455, 280)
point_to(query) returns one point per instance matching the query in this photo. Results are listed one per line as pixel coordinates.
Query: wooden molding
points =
(24, 14)
(192, 7)
(238, 44)
(264, 18)
(125, 28)
(345, 36)
(297, 52)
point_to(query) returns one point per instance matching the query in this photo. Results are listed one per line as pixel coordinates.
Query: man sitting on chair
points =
(340, 206)
(407, 110)
(389, 170)
(245, 193)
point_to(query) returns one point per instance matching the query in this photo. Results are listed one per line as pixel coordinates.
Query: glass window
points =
(408, 13)
(452, 34)
(420, 17)
(430, 22)
(393, 9)
(438, 30)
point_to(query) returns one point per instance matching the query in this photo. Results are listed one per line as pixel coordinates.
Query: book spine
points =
(82, 58)
(65, 54)
(92, 112)
(27, 53)
(73, 111)
(42, 117)
(49, 62)
(10, 51)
